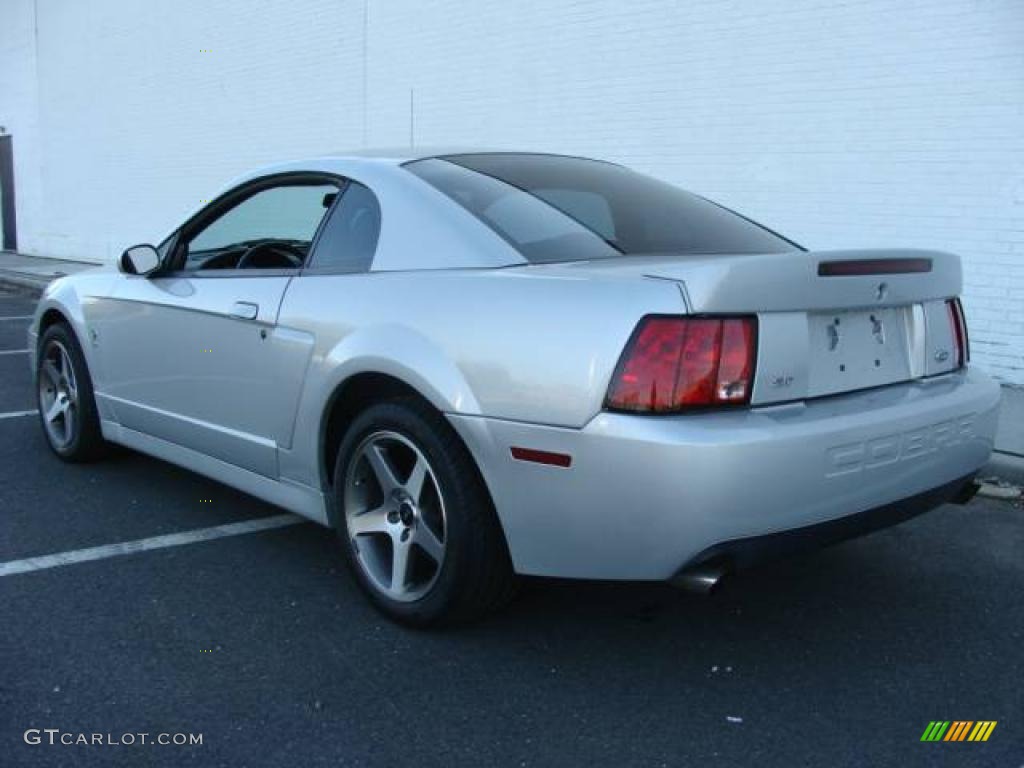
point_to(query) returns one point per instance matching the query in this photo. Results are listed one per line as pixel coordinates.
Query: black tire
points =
(476, 576)
(86, 441)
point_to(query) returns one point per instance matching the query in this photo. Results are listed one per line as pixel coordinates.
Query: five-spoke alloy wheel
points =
(67, 408)
(417, 525)
(58, 394)
(395, 515)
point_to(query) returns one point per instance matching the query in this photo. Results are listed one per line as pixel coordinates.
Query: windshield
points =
(555, 208)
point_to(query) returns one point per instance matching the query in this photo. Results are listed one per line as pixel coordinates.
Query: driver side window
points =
(271, 229)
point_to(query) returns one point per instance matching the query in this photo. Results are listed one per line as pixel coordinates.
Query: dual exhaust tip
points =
(701, 579)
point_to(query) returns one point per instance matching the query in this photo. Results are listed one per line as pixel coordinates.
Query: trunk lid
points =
(795, 280)
(828, 321)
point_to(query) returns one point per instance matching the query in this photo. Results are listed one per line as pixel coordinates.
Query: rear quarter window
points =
(348, 240)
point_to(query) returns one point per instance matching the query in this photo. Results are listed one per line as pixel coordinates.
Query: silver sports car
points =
(474, 365)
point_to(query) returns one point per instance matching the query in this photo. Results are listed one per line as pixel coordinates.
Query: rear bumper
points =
(646, 496)
(743, 553)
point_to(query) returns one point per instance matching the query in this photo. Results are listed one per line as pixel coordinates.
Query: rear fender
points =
(410, 358)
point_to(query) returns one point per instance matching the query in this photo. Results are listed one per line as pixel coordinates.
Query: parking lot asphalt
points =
(262, 643)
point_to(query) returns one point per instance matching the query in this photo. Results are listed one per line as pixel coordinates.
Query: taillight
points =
(959, 329)
(674, 363)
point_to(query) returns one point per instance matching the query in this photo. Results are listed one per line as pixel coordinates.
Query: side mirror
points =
(139, 260)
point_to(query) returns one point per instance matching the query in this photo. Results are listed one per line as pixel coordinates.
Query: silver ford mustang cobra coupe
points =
(474, 365)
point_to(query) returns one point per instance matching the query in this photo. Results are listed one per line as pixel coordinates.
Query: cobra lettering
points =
(890, 449)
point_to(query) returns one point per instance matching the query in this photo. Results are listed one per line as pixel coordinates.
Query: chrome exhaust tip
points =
(701, 579)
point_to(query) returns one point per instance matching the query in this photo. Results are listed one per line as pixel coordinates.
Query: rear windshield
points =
(553, 208)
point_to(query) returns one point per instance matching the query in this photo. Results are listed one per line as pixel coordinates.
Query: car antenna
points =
(412, 118)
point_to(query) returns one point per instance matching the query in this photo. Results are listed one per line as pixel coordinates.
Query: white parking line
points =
(13, 351)
(144, 545)
(17, 317)
(16, 414)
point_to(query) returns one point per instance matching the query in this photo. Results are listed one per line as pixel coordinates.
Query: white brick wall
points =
(855, 123)
(19, 109)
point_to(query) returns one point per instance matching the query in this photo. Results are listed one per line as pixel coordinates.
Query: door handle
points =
(244, 310)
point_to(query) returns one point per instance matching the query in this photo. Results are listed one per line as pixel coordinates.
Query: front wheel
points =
(67, 408)
(417, 525)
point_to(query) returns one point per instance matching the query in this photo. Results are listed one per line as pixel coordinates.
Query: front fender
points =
(71, 297)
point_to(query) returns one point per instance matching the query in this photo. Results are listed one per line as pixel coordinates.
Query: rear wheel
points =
(417, 525)
(67, 408)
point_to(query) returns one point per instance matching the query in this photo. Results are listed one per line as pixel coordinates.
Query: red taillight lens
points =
(959, 328)
(698, 365)
(673, 363)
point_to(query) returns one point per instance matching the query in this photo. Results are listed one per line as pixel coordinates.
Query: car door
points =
(194, 355)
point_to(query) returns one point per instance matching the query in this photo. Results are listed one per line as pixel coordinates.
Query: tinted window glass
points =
(540, 232)
(280, 212)
(621, 210)
(349, 238)
(281, 219)
(589, 208)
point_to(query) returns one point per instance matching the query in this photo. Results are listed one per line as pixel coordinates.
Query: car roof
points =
(406, 154)
(381, 160)
(398, 155)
